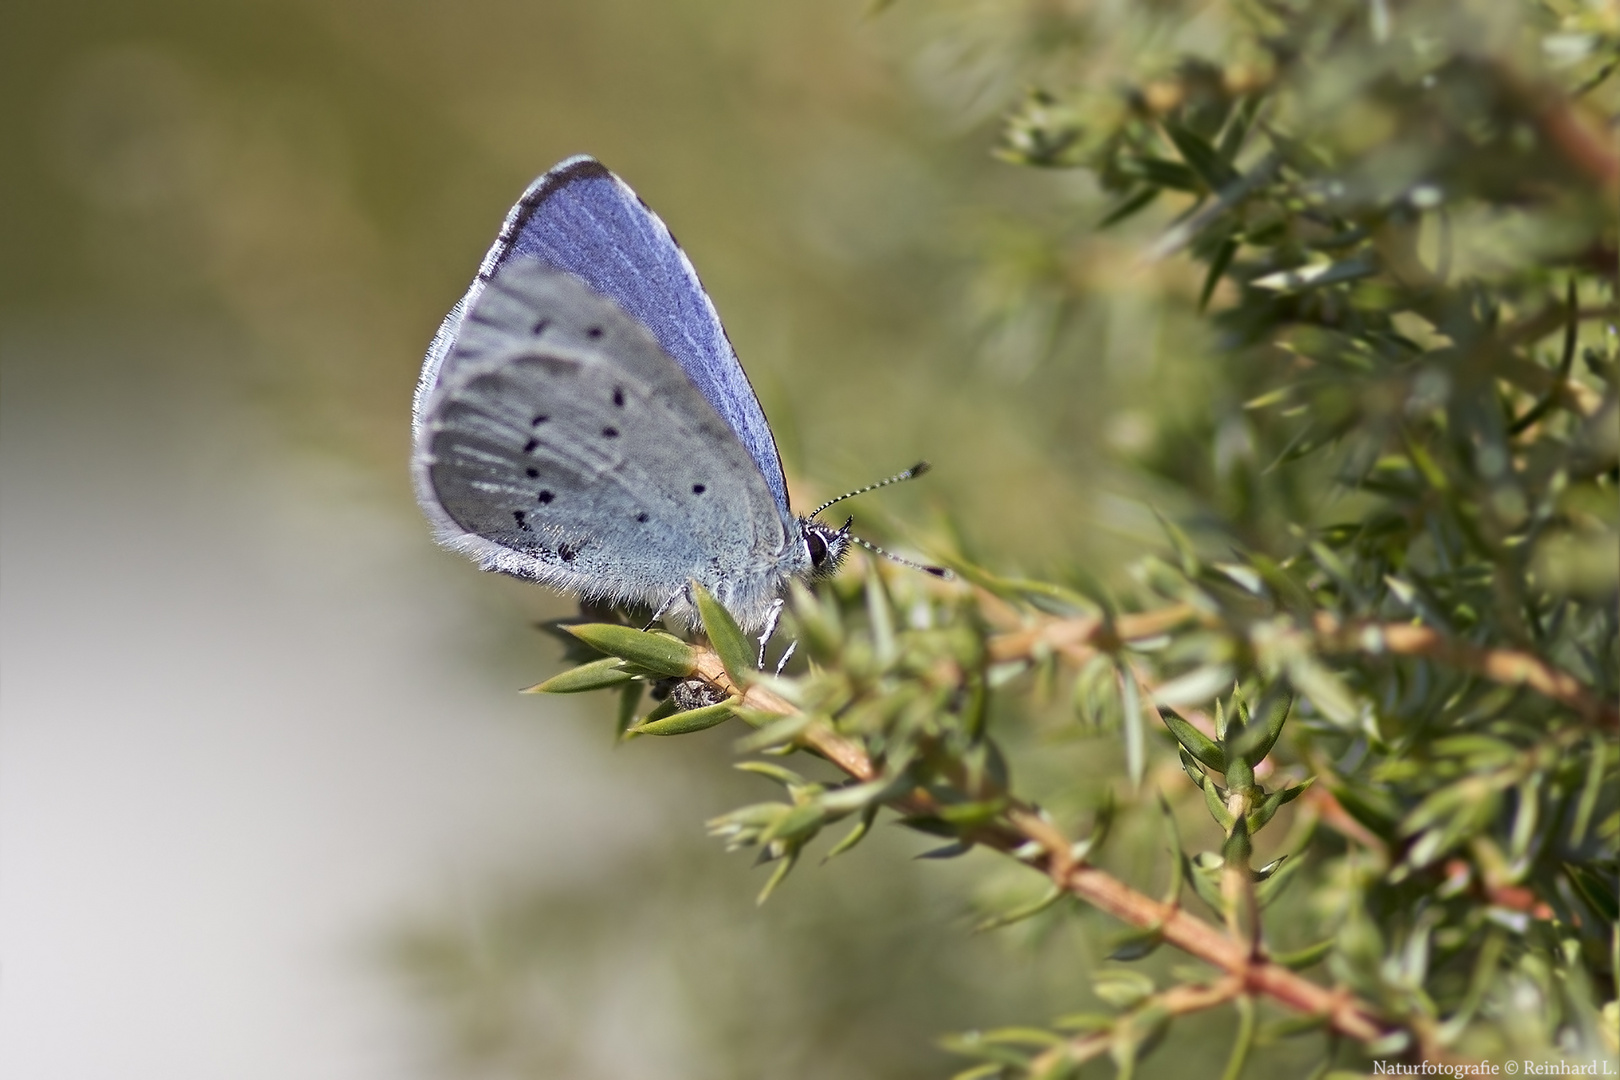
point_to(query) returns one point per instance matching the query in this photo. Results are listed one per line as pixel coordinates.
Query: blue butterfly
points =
(582, 420)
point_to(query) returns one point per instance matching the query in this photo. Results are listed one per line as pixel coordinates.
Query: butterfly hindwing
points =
(561, 444)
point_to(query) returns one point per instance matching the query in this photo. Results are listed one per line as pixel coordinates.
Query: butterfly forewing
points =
(582, 219)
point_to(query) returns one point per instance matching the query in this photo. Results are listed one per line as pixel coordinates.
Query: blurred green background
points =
(268, 805)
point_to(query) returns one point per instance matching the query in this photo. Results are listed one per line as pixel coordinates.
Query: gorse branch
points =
(1023, 831)
(1384, 613)
(1079, 638)
(1508, 667)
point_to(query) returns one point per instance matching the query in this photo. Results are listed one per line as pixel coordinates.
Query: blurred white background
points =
(241, 730)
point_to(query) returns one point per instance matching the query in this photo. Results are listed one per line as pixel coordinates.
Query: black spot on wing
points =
(642, 517)
(618, 396)
(540, 327)
(567, 551)
(528, 447)
(518, 516)
(594, 332)
(610, 433)
(531, 472)
(546, 497)
(538, 420)
(698, 489)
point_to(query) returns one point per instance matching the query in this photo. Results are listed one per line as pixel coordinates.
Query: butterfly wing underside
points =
(582, 219)
(562, 444)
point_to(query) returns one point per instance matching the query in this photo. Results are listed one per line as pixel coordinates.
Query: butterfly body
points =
(583, 422)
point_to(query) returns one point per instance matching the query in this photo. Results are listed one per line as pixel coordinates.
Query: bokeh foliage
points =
(1383, 621)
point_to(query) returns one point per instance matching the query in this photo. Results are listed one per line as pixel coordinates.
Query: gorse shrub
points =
(1384, 636)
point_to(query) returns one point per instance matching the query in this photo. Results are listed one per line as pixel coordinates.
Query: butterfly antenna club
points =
(937, 571)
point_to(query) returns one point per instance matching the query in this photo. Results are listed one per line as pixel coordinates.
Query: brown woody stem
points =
(1253, 974)
(1508, 667)
(1176, 1001)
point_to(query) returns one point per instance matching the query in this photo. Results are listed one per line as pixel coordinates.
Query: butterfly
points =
(582, 420)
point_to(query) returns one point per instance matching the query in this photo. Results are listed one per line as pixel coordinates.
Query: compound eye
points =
(818, 548)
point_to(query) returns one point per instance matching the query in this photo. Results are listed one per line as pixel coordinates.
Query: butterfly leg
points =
(665, 606)
(772, 618)
(786, 656)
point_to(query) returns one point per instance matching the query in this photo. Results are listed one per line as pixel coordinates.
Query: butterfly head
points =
(827, 546)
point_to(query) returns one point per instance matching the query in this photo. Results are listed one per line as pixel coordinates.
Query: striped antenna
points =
(910, 474)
